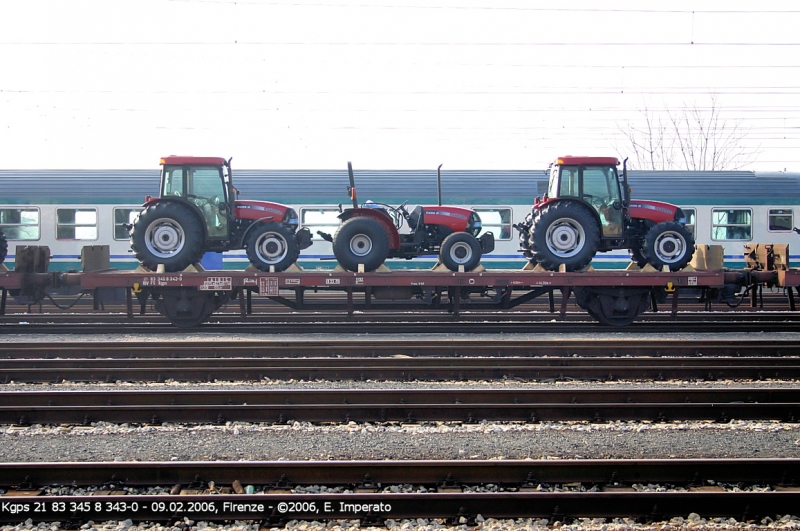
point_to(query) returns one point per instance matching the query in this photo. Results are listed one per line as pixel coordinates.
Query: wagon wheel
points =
(187, 308)
(613, 306)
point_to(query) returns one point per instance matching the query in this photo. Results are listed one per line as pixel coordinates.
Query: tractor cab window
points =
(600, 185)
(205, 182)
(569, 182)
(173, 181)
(600, 189)
(204, 188)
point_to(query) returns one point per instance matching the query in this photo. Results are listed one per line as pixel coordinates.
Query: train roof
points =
(478, 187)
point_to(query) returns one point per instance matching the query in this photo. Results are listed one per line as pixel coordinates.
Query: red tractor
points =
(588, 209)
(369, 234)
(198, 212)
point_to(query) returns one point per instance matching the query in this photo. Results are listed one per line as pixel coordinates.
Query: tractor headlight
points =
(680, 216)
(474, 225)
(290, 218)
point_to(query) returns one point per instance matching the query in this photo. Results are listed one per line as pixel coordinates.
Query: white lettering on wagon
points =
(216, 284)
(162, 281)
(268, 286)
(332, 281)
(292, 281)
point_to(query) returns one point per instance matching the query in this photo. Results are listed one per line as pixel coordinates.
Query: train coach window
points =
(495, 220)
(76, 223)
(731, 224)
(124, 216)
(690, 219)
(324, 219)
(780, 219)
(20, 223)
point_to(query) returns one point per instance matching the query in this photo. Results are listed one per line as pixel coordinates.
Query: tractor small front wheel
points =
(271, 244)
(669, 244)
(460, 249)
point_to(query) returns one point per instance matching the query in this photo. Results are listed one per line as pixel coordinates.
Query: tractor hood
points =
(262, 210)
(656, 211)
(457, 218)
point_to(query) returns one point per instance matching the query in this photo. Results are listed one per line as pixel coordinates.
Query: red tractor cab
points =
(588, 209)
(370, 233)
(197, 212)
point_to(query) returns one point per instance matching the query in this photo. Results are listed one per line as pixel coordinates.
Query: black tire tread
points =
(450, 240)
(361, 225)
(292, 253)
(193, 247)
(552, 213)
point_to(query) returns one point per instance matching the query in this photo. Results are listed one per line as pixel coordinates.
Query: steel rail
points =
(597, 346)
(398, 369)
(460, 405)
(609, 483)
(543, 324)
(282, 316)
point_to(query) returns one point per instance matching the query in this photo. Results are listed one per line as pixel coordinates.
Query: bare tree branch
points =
(693, 138)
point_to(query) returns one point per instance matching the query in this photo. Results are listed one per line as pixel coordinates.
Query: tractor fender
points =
(198, 214)
(255, 222)
(385, 221)
(583, 205)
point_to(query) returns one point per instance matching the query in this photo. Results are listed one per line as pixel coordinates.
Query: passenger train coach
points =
(68, 209)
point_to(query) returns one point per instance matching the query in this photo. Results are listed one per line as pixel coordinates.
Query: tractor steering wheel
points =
(402, 209)
(197, 200)
(599, 202)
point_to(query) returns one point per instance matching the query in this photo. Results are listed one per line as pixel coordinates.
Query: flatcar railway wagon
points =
(68, 209)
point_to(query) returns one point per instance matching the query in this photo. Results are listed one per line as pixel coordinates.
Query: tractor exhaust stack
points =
(352, 188)
(439, 182)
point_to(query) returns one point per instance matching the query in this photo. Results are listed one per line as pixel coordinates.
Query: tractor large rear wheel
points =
(3, 247)
(669, 244)
(565, 233)
(271, 244)
(460, 249)
(361, 240)
(167, 233)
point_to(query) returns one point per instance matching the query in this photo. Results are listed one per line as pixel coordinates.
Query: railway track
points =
(398, 360)
(395, 359)
(597, 346)
(457, 491)
(463, 324)
(396, 369)
(408, 406)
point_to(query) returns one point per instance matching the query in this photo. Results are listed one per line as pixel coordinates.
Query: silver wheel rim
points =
(670, 247)
(460, 253)
(360, 245)
(565, 237)
(271, 247)
(164, 237)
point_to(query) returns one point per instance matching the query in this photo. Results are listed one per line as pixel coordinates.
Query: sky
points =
(386, 84)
